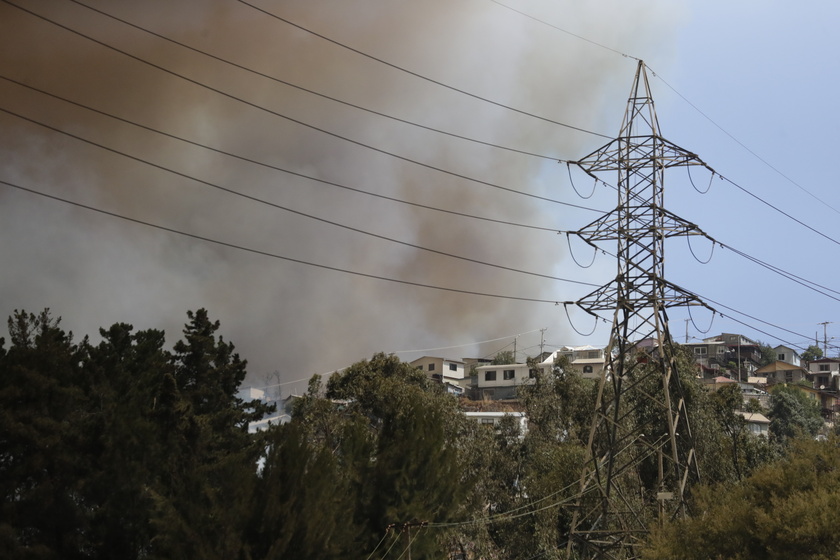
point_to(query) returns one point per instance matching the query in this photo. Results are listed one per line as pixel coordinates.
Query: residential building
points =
(783, 372)
(788, 355)
(750, 391)
(493, 418)
(825, 373)
(452, 373)
(757, 423)
(588, 361)
(710, 357)
(721, 354)
(501, 381)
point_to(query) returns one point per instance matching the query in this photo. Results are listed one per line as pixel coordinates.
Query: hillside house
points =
(757, 424)
(788, 355)
(452, 373)
(587, 361)
(825, 373)
(493, 418)
(783, 372)
(719, 354)
(498, 382)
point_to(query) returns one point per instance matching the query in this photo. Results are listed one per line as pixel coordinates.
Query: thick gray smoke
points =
(95, 270)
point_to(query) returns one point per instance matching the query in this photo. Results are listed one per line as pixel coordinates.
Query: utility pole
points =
(514, 348)
(640, 454)
(542, 342)
(825, 337)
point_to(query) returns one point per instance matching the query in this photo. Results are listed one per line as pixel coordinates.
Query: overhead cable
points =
(276, 167)
(418, 75)
(311, 91)
(779, 210)
(286, 208)
(269, 254)
(566, 31)
(297, 121)
(744, 146)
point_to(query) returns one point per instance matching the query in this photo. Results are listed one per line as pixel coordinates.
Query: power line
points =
(684, 98)
(566, 31)
(290, 210)
(311, 91)
(416, 74)
(297, 121)
(779, 210)
(273, 255)
(271, 166)
(745, 147)
(785, 274)
(463, 345)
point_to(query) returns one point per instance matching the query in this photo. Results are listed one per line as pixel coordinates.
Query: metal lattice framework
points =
(640, 455)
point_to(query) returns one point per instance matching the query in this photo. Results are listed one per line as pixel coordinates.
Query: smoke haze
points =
(94, 270)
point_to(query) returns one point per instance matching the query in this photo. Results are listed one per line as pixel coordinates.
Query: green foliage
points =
(792, 413)
(768, 354)
(123, 450)
(503, 358)
(42, 419)
(813, 352)
(786, 509)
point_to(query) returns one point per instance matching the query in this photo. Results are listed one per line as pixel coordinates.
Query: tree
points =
(813, 352)
(792, 414)
(301, 501)
(42, 436)
(785, 509)
(123, 450)
(768, 354)
(503, 358)
(201, 501)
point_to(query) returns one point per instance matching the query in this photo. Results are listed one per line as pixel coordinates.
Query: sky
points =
(268, 160)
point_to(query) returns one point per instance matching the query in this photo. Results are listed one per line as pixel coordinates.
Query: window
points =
(431, 367)
(700, 351)
(825, 367)
(489, 376)
(781, 357)
(453, 367)
(532, 373)
(593, 354)
(788, 377)
(508, 374)
(587, 369)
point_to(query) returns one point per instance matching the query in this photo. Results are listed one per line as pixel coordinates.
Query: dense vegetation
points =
(127, 449)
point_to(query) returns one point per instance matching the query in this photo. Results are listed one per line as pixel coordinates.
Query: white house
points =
(497, 382)
(493, 419)
(588, 361)
(788, 355)
(452, 373)
(825, 373)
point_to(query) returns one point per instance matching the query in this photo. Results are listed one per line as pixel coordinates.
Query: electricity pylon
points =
(640, 454)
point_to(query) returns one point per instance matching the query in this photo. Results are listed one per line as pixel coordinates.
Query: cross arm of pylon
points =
(631, 151)
(609, 227)
(607, 298)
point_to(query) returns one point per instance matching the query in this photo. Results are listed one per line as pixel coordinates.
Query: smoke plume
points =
(287, 317)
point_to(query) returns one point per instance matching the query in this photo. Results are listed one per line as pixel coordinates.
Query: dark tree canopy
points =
(785, 509)
(131, 449)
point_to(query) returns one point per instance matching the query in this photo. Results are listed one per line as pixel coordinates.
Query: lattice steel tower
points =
(640, 456)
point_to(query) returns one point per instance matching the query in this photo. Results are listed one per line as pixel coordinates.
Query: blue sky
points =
(763, 73)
